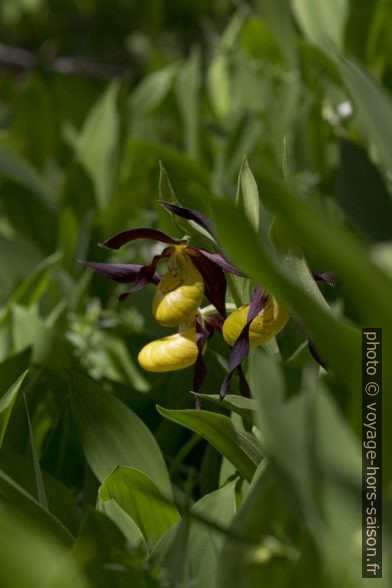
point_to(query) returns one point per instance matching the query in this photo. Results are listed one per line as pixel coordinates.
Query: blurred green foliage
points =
(102, 489)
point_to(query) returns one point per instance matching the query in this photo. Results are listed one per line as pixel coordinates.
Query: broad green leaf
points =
(203, 543)
(245, 407)
(241, 449)
(31, 508)
(247, 198)
(124, 522)
(373, 105)
(322, 21)
(140, 498)
(112, 435)
(32, 558)
(7, 402)
(96, 146)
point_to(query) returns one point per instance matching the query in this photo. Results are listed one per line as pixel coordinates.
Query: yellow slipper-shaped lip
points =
(268, 323)
(171, 353)
(179, 293)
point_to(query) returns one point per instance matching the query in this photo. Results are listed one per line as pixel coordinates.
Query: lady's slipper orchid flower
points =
(171, 353)
(266, 324)
(191, 273)
(247, 327)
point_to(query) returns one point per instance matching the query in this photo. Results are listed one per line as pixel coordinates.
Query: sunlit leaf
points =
(139, 497)
(242, 450)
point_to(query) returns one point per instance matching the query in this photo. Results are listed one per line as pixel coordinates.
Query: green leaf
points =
(247, 198)
(245, 407)
(7, 402)
(31, 215)
(373, 106)
(11, 368)
(188, 85)
(103, 549)
(41, 492)
(32, 557)
(140, 498)
(267, 556)
(125, 524)
(19, 171)
(32, 288)
(96, 146)
(279, 20)
(112, 435)
(62, 503)
(31, 508)
(322, 22)
(357, 177)
(242, 450)
(50, 347)
(151, 91)
(204, 545)
(317, 461)
(201, 544)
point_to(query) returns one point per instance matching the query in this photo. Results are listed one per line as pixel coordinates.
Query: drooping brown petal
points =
(316, 354)
(122, 273)
(214, 279)
(147, 274)
(121, 239)
(192, 215)
(240, 349)
(218, 259)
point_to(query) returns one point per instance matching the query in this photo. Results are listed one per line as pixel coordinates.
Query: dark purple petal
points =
(192, 215)
(328, 277)
(146, 274)
(215, 321)
(257, 303)
(119, 272)
(214, 280)
(316, 354)
(126, 236)
(222, 262)
(240, 349)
